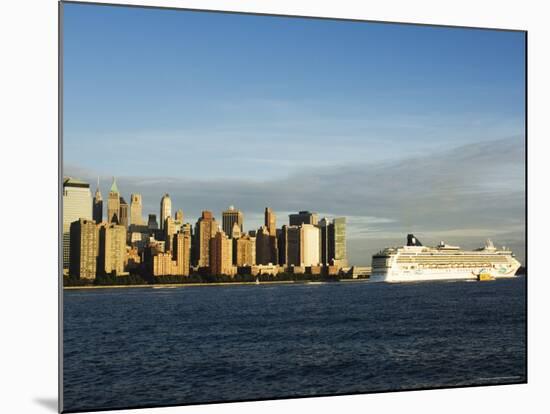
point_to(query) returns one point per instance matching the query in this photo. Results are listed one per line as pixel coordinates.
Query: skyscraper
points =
(244, 250)
(270, 221)
(112, 249)
(97, 213)
(229, 217)
(113, 204)
(236, 231)
(178, 220)
(309, 245)
(182, 253)
(84, 249)
(205, 229)
(303, 217)
(338, 252)
(290, 245)
(325, 228)
(187, 229)
(165, 209)
(136, 209)
(169, 232)
(266, 248)
(333, 242)
(152, 223)
(123, 213)
(221, 254)
(77, 204)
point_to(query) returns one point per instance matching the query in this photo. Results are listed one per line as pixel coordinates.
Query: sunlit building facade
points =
(77, 204)
(113, 204)
(112, 249)
(165, 209)
(84, 249)
(205, 229)
(221, 254)
(309, 245)
(136, 208)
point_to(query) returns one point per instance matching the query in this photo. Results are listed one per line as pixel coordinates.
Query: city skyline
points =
(115, 246)
(414, 129)
(367, 234)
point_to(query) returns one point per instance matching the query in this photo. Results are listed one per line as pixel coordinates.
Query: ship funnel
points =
(489, 245)
(412, 240)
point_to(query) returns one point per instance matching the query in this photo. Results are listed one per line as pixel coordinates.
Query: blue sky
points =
(196, 97)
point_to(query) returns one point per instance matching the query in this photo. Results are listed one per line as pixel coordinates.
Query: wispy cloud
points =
(281, 135)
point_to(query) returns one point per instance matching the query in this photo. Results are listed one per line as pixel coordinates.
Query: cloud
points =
(465, 195)
(277, 136)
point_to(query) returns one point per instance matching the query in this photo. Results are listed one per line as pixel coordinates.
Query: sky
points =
(400, 128)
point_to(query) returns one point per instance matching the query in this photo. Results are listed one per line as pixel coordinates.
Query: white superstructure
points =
(415, 262)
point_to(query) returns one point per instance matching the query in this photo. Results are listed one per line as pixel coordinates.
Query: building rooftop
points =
(114, 187)
(74, 182)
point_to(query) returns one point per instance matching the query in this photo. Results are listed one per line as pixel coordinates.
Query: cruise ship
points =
(415, 262)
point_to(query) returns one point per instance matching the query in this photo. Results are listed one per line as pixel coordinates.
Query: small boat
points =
(483, 276)
(257, 281)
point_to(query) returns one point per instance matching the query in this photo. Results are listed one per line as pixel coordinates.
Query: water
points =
(146, 347)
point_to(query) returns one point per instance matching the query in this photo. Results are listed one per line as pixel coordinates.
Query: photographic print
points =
(260, 207)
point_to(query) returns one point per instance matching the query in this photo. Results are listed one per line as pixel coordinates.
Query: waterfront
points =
(212, 284)
(136, 347)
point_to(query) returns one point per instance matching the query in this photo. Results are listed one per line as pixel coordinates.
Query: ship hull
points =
(400, 276)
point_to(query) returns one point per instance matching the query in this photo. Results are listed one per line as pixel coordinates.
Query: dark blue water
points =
(136, 347)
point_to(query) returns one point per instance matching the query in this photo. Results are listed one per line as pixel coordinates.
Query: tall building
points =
(182, 253)
(112, 249)
(205, 229)
(333, 242)
(169, 232)
(303, 217)
(123, 213)
(236, 231)
(113, 204)
(309, 245)
(338, 253)
(270, 221)
(97, 213)
(324, 229)
(165, 209)
(221, 254)
(187, 229)
(152, 249)
(229, 218)
(136, 208)
(266, 240)
(290, 245)
(77, 204)
(84, 249)
(266, 247)
(178, 220)
(244, 250)
(152, 223)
